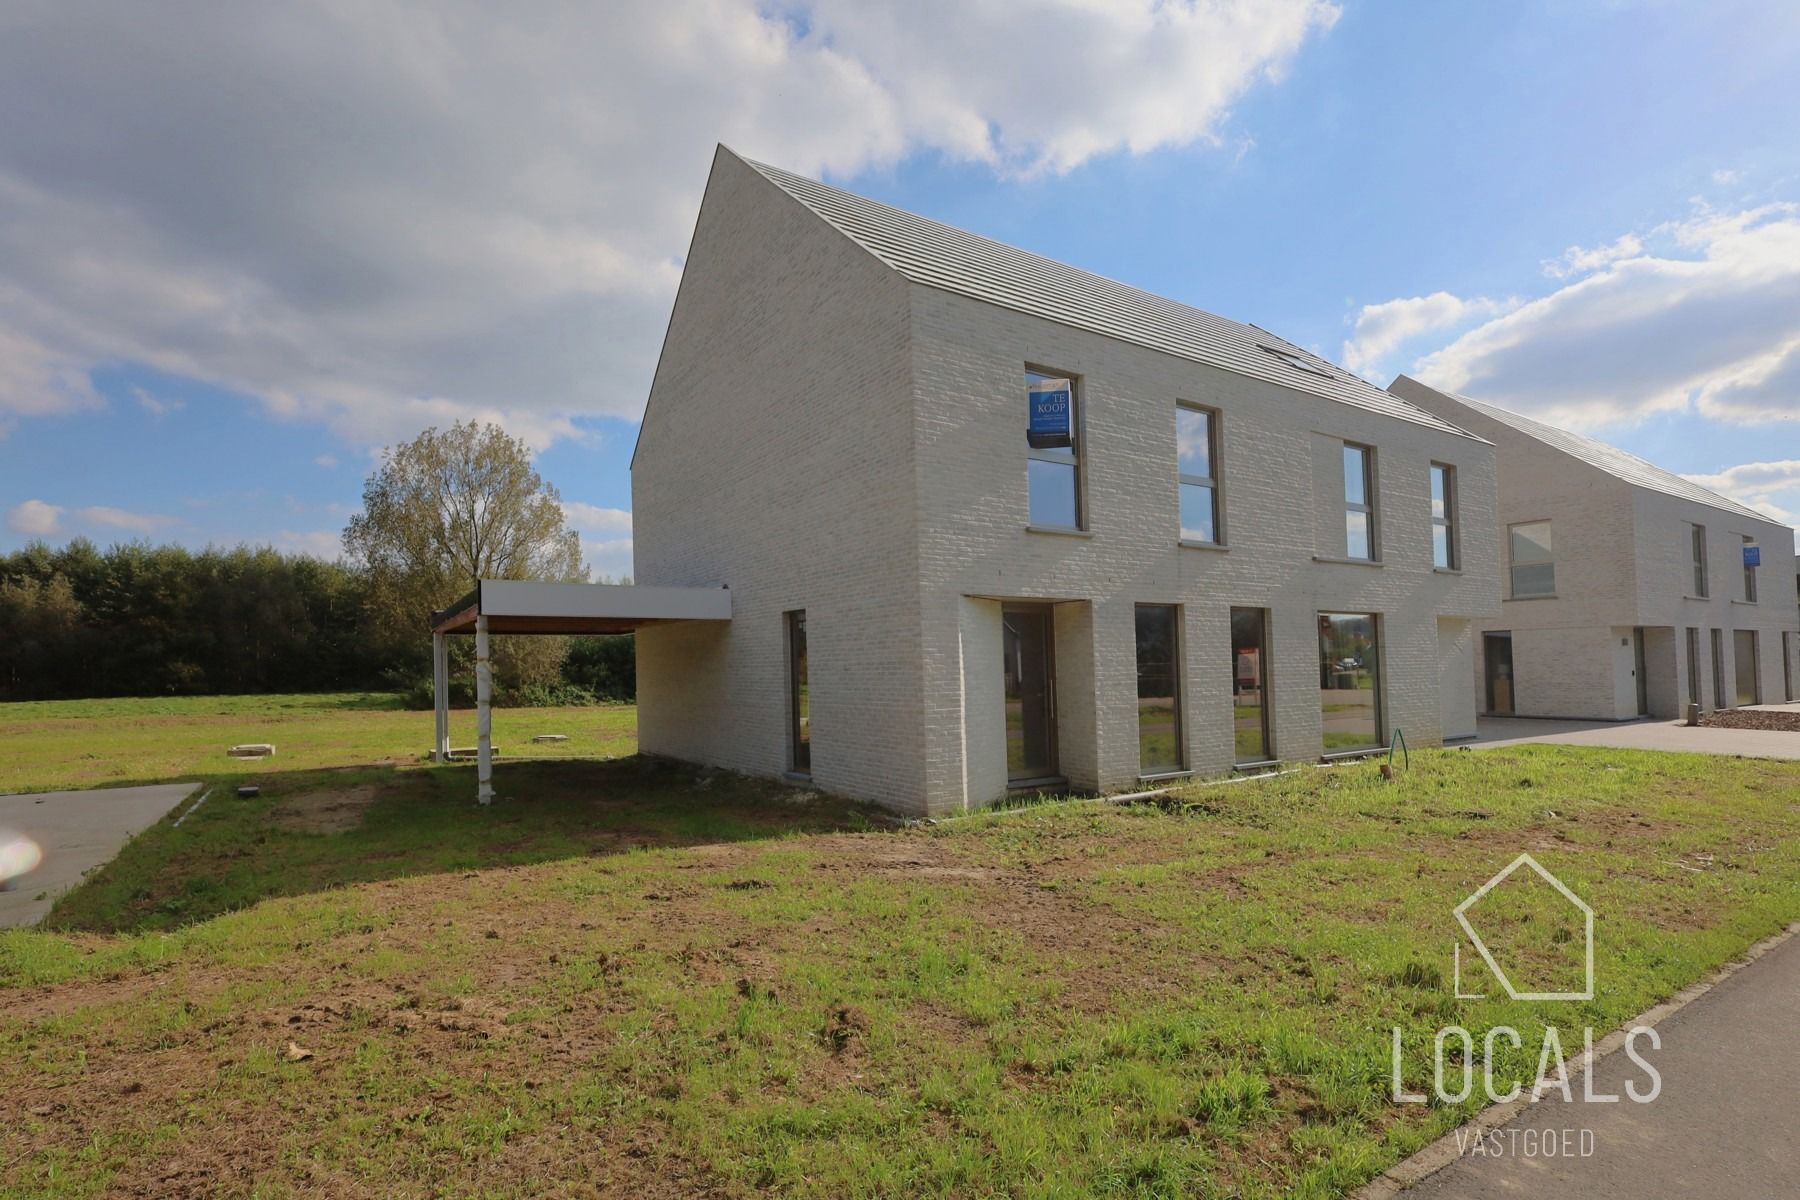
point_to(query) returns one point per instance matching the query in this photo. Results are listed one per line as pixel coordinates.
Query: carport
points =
(524, 607)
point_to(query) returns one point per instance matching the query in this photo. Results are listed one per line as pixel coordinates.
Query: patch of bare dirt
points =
(337, 810)
(1752, 718)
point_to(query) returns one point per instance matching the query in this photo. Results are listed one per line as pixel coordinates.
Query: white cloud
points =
(121, 518)
(326, 544)
(377, 216)
(1725, 177)
(155, 405)
(1758, 485)
(327, 461)
(591, 518)
(1380, 329)
(1704, 317)
(34, 518)
(607, 558)
(1578, 260)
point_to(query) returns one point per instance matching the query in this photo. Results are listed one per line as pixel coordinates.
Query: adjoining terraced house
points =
(1628, 591)
(990, 522)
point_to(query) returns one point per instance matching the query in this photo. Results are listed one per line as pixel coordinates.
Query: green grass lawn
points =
(102, 743)
(1069, 999)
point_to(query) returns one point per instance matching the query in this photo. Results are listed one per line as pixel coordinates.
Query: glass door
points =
(1249, 686)
(1496, 648)
(1030, 695)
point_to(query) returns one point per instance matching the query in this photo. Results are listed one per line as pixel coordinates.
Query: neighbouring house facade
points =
(993, 523)
(1628, 591)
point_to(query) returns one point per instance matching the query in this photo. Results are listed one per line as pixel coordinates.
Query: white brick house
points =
(1232, 560)
(1626, 591)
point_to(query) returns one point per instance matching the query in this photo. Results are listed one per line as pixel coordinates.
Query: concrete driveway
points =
(76, 831)
(1653, 734)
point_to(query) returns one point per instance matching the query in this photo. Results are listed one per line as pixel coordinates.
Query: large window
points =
(1359, 502)
(1349, 681)
(1250, 686)
(1053, 446)
(1443, 517)
(1533, 564)
(1751, 551)
(1699, 551)
(1197, 451)
(1159, 688)
(799, 702)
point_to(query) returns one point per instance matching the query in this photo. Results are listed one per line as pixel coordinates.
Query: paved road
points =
(1722, 1127)
(1638, 735)
(76, 831)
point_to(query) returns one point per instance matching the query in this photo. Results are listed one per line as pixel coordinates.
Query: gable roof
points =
(953, 260)
(1615, 462)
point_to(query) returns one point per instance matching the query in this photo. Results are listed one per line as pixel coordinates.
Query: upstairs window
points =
(1752, 559)
(1053, 450)
(1699, 547)
(1533, 565)
(1443, 517)
(1359, 502)
(1197, 452)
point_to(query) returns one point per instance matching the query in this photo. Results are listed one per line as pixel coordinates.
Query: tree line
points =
(440, 512)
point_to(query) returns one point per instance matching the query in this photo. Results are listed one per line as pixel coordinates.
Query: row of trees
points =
(441, 511)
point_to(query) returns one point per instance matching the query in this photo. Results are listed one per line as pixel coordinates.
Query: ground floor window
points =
(799, 702)
(1030, 683)
(1349, 681)
(1249, 685)
(1744, 651)
(1159, 688)
(1497, 654)
(1693, 665)
(1787, 665)
(1718, 666)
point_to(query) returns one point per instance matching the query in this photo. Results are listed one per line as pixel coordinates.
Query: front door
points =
(1496, 649)
(1030, 695)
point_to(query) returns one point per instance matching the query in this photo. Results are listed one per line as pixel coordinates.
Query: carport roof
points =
(525, 606)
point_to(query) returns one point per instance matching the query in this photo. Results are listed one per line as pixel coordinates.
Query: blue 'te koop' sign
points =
(1051, 413)
(1753, 556)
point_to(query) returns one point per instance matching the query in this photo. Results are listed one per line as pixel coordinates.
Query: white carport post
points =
(484, 729)
(440, 696)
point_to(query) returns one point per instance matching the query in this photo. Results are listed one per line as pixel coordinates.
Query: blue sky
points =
(212, 316)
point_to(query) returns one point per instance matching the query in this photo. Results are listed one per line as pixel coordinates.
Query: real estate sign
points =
(1753, 556)
(1051, 414)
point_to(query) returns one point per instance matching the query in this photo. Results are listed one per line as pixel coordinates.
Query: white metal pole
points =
(440, 697)
(484, 729)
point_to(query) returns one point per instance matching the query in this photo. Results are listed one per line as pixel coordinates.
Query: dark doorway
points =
(1496, 650)
(1637, 668)
(1030, 695)
(1249, 686)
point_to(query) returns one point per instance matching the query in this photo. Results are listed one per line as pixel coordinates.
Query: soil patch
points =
(335, 811)
(1753, 718)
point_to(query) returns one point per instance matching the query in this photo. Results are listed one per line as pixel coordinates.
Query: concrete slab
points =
(77, 831)
(1636, 735)
(1722, 1126)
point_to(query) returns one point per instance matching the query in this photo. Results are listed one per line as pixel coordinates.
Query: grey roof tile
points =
(941, 256)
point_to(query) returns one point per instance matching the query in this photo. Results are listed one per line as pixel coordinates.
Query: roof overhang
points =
(524, 606)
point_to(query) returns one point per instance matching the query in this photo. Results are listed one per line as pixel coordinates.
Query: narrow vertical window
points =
(1197, 452)
(1249, 686)
(1693, 665)
(1699, 549)
(799, 703)
(1443, 517)
(1533, 560)
(1349, 682)
(1159, 688)
(1745, 667)
(1053, 450)
(1359, 502)
(1752, 560)
(1718, 667)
